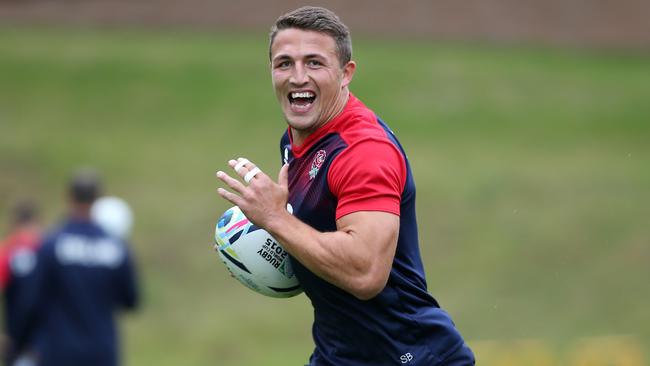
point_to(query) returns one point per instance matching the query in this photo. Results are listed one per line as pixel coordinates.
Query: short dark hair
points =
(24, 211)
(85, 186)
(319, 20)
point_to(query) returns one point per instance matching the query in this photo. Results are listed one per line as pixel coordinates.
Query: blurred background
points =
(526, 123)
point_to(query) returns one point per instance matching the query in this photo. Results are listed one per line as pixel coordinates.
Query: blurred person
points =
(82, 276)
(17, 258)
(344, 208)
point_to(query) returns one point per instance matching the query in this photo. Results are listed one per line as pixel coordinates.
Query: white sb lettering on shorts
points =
(406, 358)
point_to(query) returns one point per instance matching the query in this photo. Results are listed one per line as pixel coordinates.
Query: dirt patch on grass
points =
(592, 23)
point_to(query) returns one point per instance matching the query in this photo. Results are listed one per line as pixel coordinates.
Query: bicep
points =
(374, 235)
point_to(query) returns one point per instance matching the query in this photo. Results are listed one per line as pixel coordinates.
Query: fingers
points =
(230, 197)
(255, 192)
(240, 164)
(231, 182)
(245, 169)
(251, 174)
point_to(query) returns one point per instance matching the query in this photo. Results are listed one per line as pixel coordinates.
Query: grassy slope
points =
(532, 169)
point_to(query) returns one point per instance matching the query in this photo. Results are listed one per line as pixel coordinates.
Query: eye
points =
(314, 63)
(283, 64)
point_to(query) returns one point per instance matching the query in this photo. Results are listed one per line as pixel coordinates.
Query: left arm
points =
(31, 296)
(357, 257)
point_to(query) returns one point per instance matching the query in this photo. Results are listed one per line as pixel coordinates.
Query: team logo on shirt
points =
(317, 163)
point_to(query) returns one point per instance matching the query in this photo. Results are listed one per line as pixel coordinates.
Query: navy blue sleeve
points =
(127, 283)
(31, 296)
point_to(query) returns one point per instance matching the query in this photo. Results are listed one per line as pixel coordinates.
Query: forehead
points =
(296, 43)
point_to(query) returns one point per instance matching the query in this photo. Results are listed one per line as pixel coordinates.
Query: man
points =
(352, 233)
(81, 276)
(17, 258)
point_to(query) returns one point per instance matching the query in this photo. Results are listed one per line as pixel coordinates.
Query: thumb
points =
(283, 176)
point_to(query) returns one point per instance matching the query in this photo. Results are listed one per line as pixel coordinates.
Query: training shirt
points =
(81, 276)
(355, 163)
(17, 260)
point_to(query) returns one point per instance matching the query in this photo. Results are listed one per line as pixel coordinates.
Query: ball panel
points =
(227, 258)
(254, 257)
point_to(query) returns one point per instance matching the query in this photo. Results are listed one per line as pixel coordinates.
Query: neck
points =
(80, 211)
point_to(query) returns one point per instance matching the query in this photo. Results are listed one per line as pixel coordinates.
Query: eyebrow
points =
(281, 57)
(284, 56)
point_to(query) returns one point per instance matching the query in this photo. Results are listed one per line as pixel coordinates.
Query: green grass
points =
(531, 165)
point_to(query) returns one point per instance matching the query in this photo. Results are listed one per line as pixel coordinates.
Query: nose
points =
(299, 75)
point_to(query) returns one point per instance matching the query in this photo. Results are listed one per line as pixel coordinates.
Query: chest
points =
(310, 196)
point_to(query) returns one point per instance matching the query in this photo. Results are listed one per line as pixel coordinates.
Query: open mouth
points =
(301, 100)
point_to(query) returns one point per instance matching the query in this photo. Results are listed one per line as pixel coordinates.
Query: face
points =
(309, 81)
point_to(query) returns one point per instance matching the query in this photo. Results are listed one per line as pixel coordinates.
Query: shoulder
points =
(361, 123)
(370, 147)
(51, 237)
(21, 258)
(368, 140)
(369, 157)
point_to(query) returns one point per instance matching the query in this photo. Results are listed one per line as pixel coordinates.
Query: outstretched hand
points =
(259, 197)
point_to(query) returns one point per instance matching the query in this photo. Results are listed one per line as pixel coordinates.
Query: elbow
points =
(367, 287)
(131, 305)
(130, 302)
(367, 294)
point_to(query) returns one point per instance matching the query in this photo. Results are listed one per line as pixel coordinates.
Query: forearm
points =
(339, 257)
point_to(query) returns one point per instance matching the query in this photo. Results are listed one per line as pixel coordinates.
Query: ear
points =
(348, 73)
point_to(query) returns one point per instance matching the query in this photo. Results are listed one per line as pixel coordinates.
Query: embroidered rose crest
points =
(317, 163)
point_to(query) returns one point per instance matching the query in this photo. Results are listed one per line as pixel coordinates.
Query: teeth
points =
(302, 95)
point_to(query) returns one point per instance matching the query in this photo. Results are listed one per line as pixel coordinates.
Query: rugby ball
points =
(113, 215)
(253, 256)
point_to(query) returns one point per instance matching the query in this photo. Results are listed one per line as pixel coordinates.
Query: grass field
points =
(532, 167)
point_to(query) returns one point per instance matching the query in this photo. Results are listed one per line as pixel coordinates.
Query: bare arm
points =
(357, 257)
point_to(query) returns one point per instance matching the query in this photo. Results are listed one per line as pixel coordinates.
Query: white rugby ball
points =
(114, 215)
(253, 256)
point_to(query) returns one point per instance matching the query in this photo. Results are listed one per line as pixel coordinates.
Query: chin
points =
(299, 122)
(300, 125)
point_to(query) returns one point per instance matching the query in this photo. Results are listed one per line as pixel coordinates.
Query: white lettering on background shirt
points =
(81, 250)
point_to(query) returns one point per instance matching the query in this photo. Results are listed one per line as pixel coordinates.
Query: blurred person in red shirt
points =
(17, 260)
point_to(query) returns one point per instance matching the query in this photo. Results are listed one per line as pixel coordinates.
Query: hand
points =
(262, 200)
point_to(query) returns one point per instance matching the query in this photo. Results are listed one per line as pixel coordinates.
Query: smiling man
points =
(352, 230)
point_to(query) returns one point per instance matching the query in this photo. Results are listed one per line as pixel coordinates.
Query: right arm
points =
(357, 257)
(127, 282)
